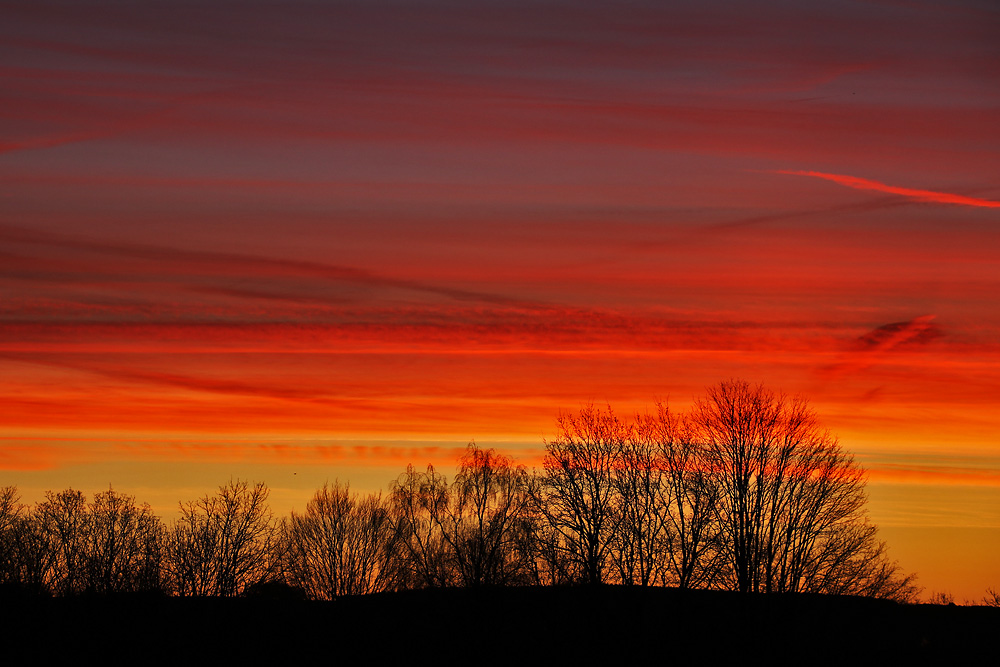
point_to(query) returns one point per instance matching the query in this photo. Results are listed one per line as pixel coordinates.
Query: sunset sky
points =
(301, 241)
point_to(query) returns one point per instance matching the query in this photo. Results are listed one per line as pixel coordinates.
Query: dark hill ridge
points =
(494, 626)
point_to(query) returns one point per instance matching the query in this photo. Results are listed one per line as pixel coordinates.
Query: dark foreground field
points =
(499, 626)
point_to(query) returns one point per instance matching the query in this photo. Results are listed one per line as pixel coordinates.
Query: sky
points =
(304, 241)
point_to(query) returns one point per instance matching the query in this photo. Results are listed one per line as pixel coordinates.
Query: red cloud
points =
(874, 345)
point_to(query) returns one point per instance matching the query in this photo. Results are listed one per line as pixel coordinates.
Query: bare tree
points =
(11, 516)
(61, 521)
(482, 518)
(689, 497)
(417, 498)
(27, 552)
(641, 511)
(791, 508)
(10, 507)
(123, 545)
(851, 560)
(577, 490)
(343, 545)
(547, 551)
(223, 543)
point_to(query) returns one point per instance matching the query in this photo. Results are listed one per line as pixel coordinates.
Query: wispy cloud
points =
(870, 348)
(912, 193)
(945, 468)
(233, 264)
(33, 454)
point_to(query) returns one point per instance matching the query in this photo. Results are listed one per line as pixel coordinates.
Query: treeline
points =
(745, 492)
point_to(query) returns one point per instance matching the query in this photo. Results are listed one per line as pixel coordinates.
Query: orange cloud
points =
(901, 474)
(36, 454)
(919, 195)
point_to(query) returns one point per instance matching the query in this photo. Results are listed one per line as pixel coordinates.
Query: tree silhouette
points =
(223, 543)
(850, 560)
(417, 498)
(577, 488)
(791, 506)
(27, 554)
(342, 545)
(641, 509)
(689, 499)
(123, 545)
(481, 520)
(61, 521)
(746, 492)
(11, 531)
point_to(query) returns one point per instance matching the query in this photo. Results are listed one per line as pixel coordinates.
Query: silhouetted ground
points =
(496, 626)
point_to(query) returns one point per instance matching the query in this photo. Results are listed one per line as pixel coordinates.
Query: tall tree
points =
(577, 490)
(788, 492)
(641, 508)
(689, 498)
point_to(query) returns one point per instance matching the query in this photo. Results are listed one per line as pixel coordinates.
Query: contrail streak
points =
(920, 195)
